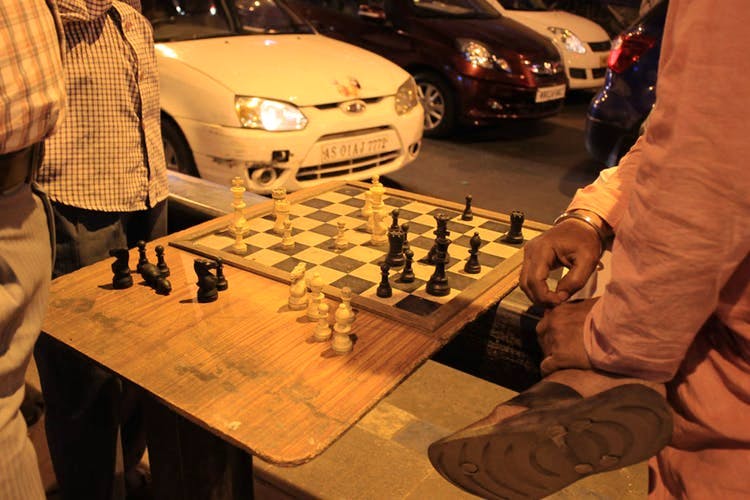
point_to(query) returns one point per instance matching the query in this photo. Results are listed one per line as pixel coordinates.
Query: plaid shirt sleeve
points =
(32, 89)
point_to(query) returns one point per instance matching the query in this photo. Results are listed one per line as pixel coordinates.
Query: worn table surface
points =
(243, 367)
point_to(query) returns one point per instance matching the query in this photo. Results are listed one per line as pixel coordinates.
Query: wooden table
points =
(237, 377)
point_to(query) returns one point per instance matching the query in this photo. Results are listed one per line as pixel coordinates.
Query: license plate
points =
(356, 148)
(545, 94)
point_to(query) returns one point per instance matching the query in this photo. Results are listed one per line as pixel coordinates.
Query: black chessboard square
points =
(393, 201)
(325, 230)
(316, 203)
(418, 305)
(407, 215)
(354, 202)
(250, 249)
(406, 287)
(463, 241)
(417, 228)
(489, 260)
(498, 227)
(298, 247)
(459, 281)
(357, 285)
(457, 227)
(270, 217)
(450, 213)
(343, 264)
(422, 242)
(287, 264)
(349, 191)
(322, 215)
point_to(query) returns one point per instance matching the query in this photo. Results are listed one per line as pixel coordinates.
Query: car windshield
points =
(472, 9)
(174, 20)
(524, 4)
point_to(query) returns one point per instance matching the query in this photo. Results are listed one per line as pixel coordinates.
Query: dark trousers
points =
(86, 405)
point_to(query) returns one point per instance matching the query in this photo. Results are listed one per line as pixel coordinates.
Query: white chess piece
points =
(316, 296)
(341, 343)
(298, 288)
(340, 242)
(277, 194)
(282, 214)
(379, 229)
(322, 329)
(287, 241)
(367, 207)
(376, 198)
(346, 299)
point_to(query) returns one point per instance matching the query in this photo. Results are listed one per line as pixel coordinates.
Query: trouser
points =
(25, 265)
(86, 405)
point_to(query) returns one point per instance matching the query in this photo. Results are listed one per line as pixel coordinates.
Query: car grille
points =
(578, 73)
(598, 72)
(600, 46)
(340, 168)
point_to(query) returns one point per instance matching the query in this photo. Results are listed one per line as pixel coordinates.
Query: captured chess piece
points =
(472, 264)
(384, 288)
(142, 258)
(407, 275)
(341, 343)
(221, 281)
(153, 278)
(298, 288)
(515, 233)
(322, 329)
(160, 262)
(316, 296)
(346, 299)
(468, 214)
(122, 278)
(207, 291)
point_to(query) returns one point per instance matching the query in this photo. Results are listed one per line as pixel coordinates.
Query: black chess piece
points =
(515, 233)
(153, 278)
(407, 275)
(405, 229)
(441, 231)
(394, 216)
(438, 282)
(395, 256)
(142, 258)
(207, 291)
(160, 262)
(468, 214)
(122, 278)
(221, 281)
(472, 265)
(384, 288)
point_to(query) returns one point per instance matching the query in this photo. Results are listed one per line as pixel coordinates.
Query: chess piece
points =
(221, 281)
(316, 296)
(287, 242)
(407, 275)
(346, 299)
(515, 233)
(239, 223)
(122, 278)
(379, 228)
(394, 217)
(376, 199)
(153, 278)
(438, 282)
(239, 246)
(340, 243)
(207, 291)
(297, 288)
(442, 229)
(160, 263)
(468, 214)
(367, 207)
(282, 214)
(472, 265)
(142, 258)
(384, 288)
(322, 329)
(277, 194)
(405, 229)
(341, 343)
(395, 256)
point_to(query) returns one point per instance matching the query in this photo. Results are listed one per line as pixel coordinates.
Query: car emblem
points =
(348, 89)
(353, 107)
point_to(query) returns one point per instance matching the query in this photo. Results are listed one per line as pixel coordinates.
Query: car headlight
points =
(406, 96)
(274, 116)
(479, 55)
(569, 40)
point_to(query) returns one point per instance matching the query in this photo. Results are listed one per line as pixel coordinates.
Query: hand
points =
(560, 334)
(573, 244)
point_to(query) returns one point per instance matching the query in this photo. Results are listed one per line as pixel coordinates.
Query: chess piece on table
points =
(153, 278)
(468, 214)
(384, 288)
(142, 257)
(160, 262)
(287, 242)
(221, 281)
(472, 265)
(298, 288)
(239, 223)
(395, 256)
(379, 229)
(207, 291)
(322, 329)
(407, 275)
(341, 343)
(282, 214)
(340, 243)
(346, 299)
(515, 233)
(122, 278)
(316, 296)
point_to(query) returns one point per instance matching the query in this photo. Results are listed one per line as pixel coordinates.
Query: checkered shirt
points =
(32, 92)
(107, 154)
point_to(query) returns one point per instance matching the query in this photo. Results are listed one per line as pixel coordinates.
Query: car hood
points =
(302, 69)
(539, 21)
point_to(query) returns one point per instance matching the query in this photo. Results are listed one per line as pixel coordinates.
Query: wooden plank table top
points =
(243, 367)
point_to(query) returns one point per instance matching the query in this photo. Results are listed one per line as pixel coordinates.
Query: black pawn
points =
(394, 223)
(221, 281)
(384, 288)
(122, 278)
(142, 258)
(407, 275)
(405, 229)
(468, 214)
(472, 265)
(207, 291)
(515, 233)
(160, 263)
(153, 278)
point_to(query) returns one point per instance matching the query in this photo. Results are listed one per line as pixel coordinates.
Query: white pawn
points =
(340, 242)
(316, 297)
(287, 241)
(346, 299)
(379, 229)
(341, 343)
(322, 329)
(298, 288)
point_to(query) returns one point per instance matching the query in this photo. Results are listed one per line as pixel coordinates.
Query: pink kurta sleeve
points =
(680, 201)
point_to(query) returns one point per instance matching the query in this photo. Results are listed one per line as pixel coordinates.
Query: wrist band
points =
(588, 220)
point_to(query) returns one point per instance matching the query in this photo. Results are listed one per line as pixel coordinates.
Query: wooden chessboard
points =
(315, 212)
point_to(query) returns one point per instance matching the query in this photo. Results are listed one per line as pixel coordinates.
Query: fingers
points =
(577, 276)
(536, 267)
(549, 365)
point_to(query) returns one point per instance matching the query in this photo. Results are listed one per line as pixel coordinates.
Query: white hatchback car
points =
(249, 89)
(583, 44)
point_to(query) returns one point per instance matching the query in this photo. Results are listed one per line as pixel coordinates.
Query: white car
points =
(583, 44)
(248, 89)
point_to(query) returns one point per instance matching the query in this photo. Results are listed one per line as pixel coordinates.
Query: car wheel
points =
(176, 150)
(438, 103)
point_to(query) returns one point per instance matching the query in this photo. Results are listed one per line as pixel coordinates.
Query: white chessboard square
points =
(422, 292)
(372, 293)
(420, 208)
(458, 268)
(365, 253)
(422, 271)
(339, 209)
(327, 274)
(260, 224)
(310, 238)
(263, 240)
(356, 237)
(530, 234)
(427, 220)
(267, 257)
(301, 210)
(485, 234)
(350, 221)
(333, 196)
(476, 221)
(215, 241)
(315, 255)
(499, 250)
(304, 224)
(368, 272)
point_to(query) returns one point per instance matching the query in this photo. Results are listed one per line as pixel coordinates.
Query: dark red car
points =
(473, 66)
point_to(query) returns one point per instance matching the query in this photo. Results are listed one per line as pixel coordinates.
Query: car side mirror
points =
(371, 12)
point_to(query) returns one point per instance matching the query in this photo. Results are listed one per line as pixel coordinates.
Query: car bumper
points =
(606, 143)
(300, 159)
(586, 71)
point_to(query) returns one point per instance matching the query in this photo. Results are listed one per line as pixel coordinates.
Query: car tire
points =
(439, 104)
(177, 153)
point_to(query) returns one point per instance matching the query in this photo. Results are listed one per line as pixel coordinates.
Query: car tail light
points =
(626, 50)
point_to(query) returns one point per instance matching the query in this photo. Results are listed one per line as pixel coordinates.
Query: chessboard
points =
(315, 214)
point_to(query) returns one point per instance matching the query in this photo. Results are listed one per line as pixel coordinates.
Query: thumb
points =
(549, 365)
(575, 279)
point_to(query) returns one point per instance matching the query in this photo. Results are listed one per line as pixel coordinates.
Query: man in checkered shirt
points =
(105, 174)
